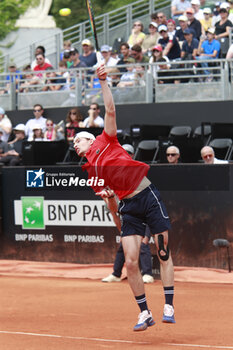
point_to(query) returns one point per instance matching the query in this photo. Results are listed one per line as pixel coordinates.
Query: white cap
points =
(154, 24)
(224, 5)
(2, 111)
(211, 30)
(37, 127)
(128, 148)
(183, 18)
(85, 135)
(162, 27)
(19, 127)
(207, 10)
(195, 2)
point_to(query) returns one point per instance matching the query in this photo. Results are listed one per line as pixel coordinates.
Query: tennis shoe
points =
(111, 278)
(168, 314)
(144, 320)
(147, 279)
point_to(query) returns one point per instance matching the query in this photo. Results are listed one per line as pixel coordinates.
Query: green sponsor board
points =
(33, 212)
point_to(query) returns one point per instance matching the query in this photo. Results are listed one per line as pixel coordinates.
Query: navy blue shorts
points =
(144, 208)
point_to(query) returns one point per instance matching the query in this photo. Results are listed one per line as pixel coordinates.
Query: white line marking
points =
(76, 338)
(201, 346)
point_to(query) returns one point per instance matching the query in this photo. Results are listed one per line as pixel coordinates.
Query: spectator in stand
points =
(164, 71)
(178, 7)
(216, 16)
(154, 18)
(183, 22)
(31, 83)
(3, 144)
(5, 125)
(65, 74)
(37, 120)
(109, 61)
(134, 76)
(207, 50)
(206, 22)
(190, 45)
(13, 154)
(41, 50)
(37, 133)
(74, 119)
(171, 27)
(41, 64)
(171, 47)
(54, 82)
(173, 155)
(193, 22)
(136, 53)
(88, 56)
(157, 55)
(208, 156)
(137, 36)
(13, 76)
(223, 27)
(198, 13)
(151, 39)
(66, 47)
(67, 59)
(76, 61)
(50, 132)
(94, 120)
(162, 19)
(125, 54)
(227, 6)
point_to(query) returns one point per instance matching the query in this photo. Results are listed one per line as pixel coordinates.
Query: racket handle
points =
(100, 59)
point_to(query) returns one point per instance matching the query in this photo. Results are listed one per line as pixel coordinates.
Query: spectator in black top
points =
(190, 45)
(170, 45)
(193, 22)
(77, 63)
(183, 22)
(14, 155)
(222, 27)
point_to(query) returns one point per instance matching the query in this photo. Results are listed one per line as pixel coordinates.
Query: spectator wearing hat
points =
(171, 27)
(67, 58)
(190, 45)
(206, 22)
(37, 120)
(170, 45)
(207, 50)
(193, 22)
(224, 25)
(5, 125)
(151, 39)
(216, 16)
(66, 47)
(109, 61)
(183, 24)
(88, 56)
(38, 134)
(157, 55)
(137, 36)
(178, 7)
(198, 13)
(76, 62)
(13, 155)
(136, 53)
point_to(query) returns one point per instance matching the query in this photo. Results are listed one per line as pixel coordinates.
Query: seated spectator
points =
(157, 54)
(190, 45)
(3, 144)
(198, 13)
(13, 155)
(67, 59)
(207, 50)
(109, 61)
(125, 54)
(222, 27)
(193, 22)
(37, 120)
(40, 50)
(31, 83)
(134, 76)
(208, 156)
(171, 47)
(54, 82)
(178, 7)
(136, 53)
(66, 47)
(13, 76)
(94, 120)
(183, 22)
(162, 19)
(74, 119)
(65, 74)
(137, 36)
(154, 18)
(173, 155)
(171, 27)
(50, 132)
(76, 62)
(151, 39)
(5, 125)
(41, 64)
(163, 71)
(206, 22)
(37, 133)
(88, 56)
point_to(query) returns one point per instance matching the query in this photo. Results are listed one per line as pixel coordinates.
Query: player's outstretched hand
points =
(105, 193)
(101, 72)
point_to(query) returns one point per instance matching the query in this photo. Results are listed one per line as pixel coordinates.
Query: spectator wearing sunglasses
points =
(137, 36)
(37, 120)
(94, 120)
(173, 155)
(170, 45)
(77, 63)
(73, 120)
(193, 22)
(208, 156)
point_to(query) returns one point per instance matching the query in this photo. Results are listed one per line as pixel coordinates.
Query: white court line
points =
(76, 338)
(201, 346)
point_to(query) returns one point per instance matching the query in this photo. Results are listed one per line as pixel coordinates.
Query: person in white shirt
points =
(5, 125)
(94, 120)
(37, 120)
(208, 156)
(198, 13)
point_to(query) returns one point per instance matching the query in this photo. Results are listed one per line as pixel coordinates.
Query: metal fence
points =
(110, 26)
(158, 82)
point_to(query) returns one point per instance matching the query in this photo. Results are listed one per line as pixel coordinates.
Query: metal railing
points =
(176, 81)
(110, 26)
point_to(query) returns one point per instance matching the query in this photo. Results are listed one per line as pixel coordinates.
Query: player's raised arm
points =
(110, 126)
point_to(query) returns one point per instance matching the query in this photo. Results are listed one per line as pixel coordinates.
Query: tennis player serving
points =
(140, 204)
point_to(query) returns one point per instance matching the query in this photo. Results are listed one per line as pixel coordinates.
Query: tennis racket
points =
(93, 30)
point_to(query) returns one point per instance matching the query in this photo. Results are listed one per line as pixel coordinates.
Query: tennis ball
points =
(64, 12)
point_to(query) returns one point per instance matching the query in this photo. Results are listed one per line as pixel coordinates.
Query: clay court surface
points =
(65, 307)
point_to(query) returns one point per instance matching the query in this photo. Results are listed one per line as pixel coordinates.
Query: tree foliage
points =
(10, 10)
(79, 11)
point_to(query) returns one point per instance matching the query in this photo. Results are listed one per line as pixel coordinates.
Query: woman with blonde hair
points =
(137, 36)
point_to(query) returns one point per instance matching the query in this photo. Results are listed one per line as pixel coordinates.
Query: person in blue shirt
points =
(14, 75)
(208, 49)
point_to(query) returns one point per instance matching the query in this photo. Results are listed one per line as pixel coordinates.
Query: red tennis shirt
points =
(107, 160)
